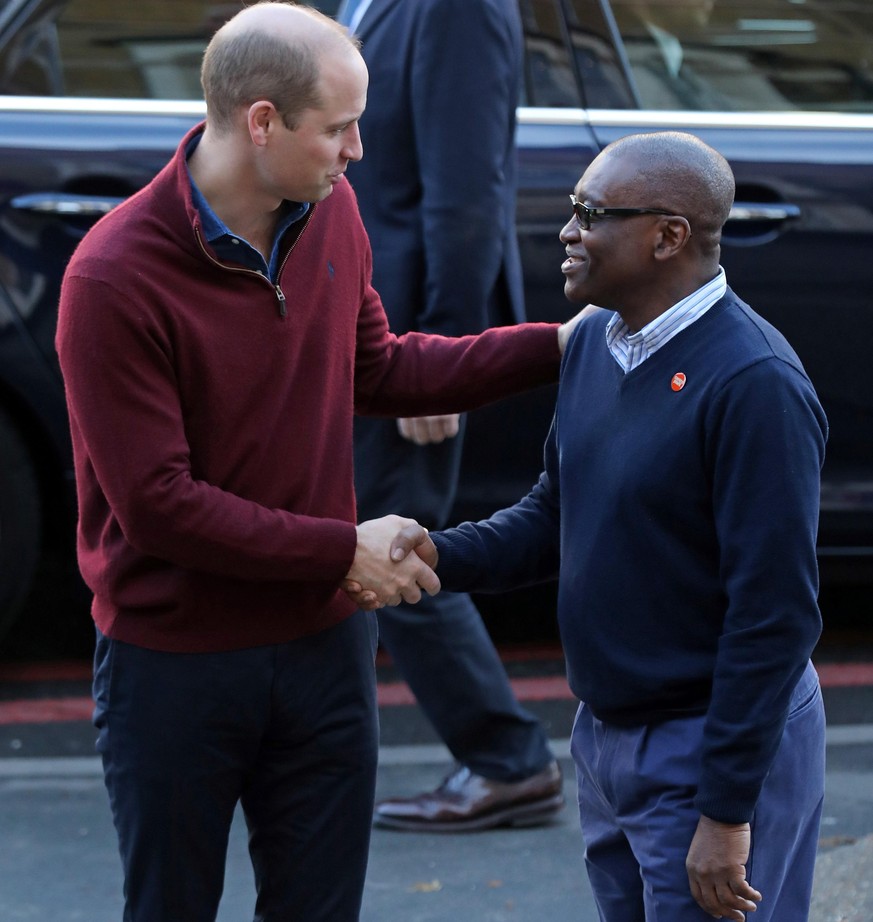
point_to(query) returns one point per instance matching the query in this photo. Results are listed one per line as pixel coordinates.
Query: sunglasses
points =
(584, 213)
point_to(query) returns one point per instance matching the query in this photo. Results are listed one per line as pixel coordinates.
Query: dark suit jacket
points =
(437, 183)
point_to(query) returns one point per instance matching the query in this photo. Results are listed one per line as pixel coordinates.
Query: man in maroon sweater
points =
(217, 332)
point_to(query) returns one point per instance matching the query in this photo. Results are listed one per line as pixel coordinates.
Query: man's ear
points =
(674, 232)
(262, 116)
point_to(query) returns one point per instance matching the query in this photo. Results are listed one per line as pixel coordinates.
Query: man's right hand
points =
(383, 572)
(414, 538)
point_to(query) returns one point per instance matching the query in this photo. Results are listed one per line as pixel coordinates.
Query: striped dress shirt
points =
(632, 349)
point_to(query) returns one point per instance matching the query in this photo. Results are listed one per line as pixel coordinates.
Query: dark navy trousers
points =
(290, 732)
(441, 645)
(442, 648)
(636, 791)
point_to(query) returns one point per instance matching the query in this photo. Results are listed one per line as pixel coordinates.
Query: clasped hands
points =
(384, 572)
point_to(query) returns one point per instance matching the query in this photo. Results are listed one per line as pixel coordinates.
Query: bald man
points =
(679, 505)
(217, 332)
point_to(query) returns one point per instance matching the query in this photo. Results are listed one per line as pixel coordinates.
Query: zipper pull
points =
(283, 311)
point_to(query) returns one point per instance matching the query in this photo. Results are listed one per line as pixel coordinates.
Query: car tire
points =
(20, 522)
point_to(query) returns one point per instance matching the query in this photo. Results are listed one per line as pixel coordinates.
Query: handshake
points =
(384, 572)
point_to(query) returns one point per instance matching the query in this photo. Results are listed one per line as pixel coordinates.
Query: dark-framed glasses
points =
(585, 213)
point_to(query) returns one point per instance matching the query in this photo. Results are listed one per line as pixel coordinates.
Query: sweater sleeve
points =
(518, 546)
(421, 374)
(134, 462)
(765, 450)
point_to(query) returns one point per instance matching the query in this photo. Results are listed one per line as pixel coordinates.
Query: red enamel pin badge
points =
(678, 381)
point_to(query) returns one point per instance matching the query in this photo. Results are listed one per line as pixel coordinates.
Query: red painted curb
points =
(844, 675)
(61, 671)
(549, 688)
(45, 710)
(390, 694)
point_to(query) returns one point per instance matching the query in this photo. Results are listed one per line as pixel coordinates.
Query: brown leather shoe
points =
(466, 802)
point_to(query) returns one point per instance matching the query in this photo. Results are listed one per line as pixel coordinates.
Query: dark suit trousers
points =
(441, 646)
(290, 732)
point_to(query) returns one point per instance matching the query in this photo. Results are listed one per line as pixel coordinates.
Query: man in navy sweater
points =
(679, 509)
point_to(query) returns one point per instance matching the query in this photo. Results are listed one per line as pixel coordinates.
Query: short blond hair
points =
(245, 62)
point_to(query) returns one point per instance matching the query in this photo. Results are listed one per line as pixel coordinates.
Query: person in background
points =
(679, 506)
(216, 333)
(437, 195)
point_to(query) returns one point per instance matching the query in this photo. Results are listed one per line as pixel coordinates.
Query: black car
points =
(97, 95)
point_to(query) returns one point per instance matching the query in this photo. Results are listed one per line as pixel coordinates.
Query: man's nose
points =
(570, 231)
(354, 147)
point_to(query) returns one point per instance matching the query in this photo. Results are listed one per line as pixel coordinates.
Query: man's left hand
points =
(716, 866)
(429, 430)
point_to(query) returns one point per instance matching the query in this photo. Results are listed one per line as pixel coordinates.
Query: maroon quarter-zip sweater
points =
(212, 435)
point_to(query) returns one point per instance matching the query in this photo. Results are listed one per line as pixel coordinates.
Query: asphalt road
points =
(58, 857)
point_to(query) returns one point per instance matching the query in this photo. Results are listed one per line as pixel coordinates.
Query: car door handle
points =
(87, 206)
(761, 211)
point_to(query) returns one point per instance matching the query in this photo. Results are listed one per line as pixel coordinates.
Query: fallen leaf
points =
(425, 886)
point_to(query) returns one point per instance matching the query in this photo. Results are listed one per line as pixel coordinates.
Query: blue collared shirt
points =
(632, 349)
(230, 246)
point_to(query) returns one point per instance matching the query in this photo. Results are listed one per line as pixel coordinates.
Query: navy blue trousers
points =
(442, 648)
(290, 732)
(441, 645)
(636, 792)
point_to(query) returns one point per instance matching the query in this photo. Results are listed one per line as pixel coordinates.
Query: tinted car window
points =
(597, 56)
(744, 55)
(549, 76)
(594, 76)
(150, 49)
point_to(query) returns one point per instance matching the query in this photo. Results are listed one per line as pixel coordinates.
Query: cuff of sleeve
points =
(451, 565)
(726, 803)
(345, 546)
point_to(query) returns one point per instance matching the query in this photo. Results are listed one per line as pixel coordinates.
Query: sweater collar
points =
(228, 246)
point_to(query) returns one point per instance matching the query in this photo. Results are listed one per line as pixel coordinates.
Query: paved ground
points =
(58, 858)
(844, 883)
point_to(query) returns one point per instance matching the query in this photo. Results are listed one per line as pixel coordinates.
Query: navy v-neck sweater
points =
(680, 502)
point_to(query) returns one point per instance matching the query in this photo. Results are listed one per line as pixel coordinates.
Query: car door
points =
(90, 110)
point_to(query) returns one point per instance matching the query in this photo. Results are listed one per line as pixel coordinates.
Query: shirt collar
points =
(359, 15)
(631, 349)
(230, 246)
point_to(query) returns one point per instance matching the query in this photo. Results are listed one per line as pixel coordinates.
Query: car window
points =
(593, 39)
(549, 79)
(149, 49)
(552, 79)
(745, 55)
